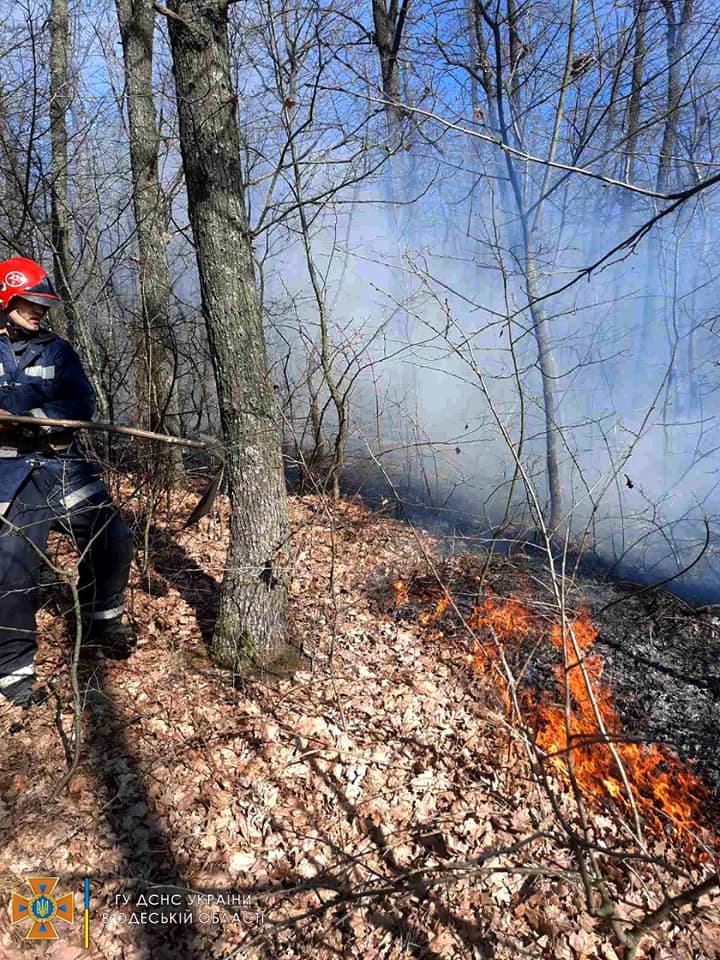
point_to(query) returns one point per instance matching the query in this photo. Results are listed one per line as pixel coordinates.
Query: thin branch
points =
(528, 157)
(673, 903)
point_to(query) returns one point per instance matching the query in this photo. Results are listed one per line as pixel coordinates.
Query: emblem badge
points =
(42, 908)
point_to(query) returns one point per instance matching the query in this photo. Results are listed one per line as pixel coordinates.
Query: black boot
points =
(112, 638)
(23, 694)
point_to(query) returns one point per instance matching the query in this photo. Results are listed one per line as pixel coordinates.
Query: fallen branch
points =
(651, 920)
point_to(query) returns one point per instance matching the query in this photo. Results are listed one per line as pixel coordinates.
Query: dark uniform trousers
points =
(46, 482)
(64, 494)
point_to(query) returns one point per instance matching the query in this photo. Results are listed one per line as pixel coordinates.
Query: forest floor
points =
(377, 804)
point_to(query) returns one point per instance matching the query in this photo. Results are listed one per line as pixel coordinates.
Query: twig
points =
(526, 157)
(68, 577)
(77, 703)
(683, 899)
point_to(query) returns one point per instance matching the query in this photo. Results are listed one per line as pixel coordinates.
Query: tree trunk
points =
(676, 34)
(158, 380)
(252, 621)
(389, 23)
(633, 124)
(652, 317)
(59, 102)
(12, 204)
(399, 178)
(74, 327)
(501, 93)
(549, 377)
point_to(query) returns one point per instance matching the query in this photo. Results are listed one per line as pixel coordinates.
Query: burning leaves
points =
(401, 593)
(577, 727)
(367, 804)
(440, 607)
(586, 735)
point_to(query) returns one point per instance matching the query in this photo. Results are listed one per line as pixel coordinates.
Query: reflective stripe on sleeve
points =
(2, 369)
(45, 373)
(83, 493)
(27, 671)
(108, 614)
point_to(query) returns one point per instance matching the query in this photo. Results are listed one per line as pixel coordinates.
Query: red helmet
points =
(20, 277)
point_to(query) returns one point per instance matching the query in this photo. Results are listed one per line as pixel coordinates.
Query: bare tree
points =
(639, 52)
(389, 21)
(158, 359)
(677, 27)
(59, 104)
(11, 200)
(252, 620)
(75, 326)
(503, 95)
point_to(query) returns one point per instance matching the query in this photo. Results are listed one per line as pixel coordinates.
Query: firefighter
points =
(48, 483)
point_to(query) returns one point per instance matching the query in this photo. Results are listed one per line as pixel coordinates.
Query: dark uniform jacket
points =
(43, 377)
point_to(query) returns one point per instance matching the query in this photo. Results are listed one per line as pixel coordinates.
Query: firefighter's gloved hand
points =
(113, 638)
(22, 694)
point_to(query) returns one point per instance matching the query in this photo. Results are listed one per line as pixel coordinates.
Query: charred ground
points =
(376, 804)
(661, 654)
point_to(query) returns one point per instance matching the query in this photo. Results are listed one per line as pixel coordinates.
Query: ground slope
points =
(376, 804)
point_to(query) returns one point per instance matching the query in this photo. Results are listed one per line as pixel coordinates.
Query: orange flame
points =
(506, 620)
(660, 785)
(440, 608)
(401, 593)
(509, 619)
(583, 735)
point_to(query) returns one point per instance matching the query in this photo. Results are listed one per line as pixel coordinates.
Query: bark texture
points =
(252, 621)
(389, 22)
(74, 326)
(158, 380)
(676, 41)
(633, 123)
(12, 204)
